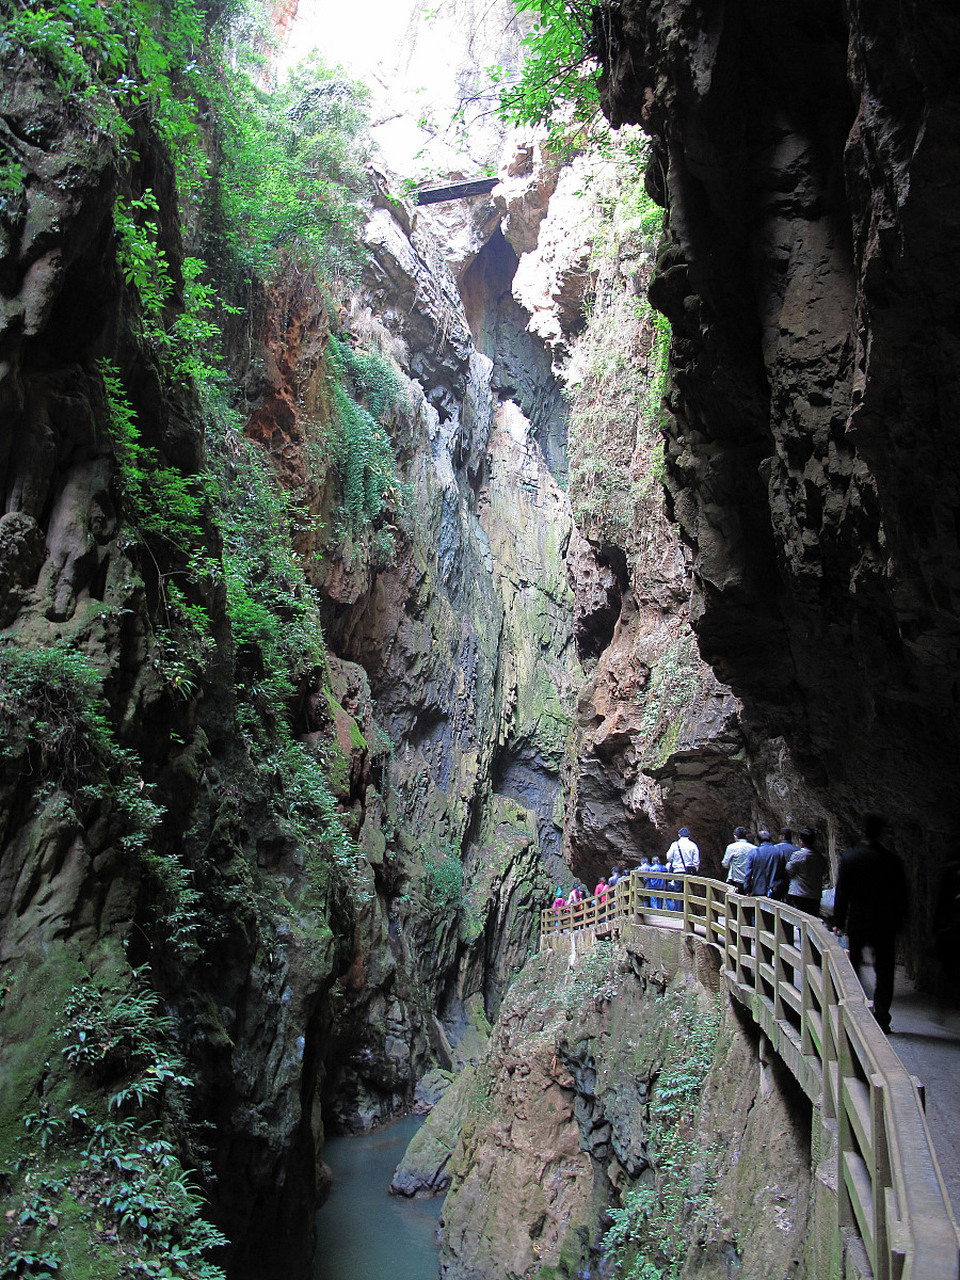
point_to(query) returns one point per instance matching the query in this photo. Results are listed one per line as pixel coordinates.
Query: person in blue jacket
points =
(657, 882)
(766, 873)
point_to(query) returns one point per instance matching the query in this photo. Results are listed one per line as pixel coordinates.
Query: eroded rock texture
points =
(560, 1123)
(658, 741)
(244, 964)
(455, 613)
(808, 159)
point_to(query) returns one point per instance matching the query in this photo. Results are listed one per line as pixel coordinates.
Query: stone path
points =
(926, 1037)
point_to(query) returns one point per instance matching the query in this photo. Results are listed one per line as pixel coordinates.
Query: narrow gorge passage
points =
(370, 569)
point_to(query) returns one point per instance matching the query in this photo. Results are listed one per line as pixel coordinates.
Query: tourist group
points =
(871, 896)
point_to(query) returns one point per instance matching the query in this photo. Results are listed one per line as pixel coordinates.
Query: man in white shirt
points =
(735, 858)
(683, 856)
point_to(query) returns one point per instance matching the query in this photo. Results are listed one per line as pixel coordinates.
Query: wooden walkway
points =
(455, 190)
(799, 986)
(926, 1037)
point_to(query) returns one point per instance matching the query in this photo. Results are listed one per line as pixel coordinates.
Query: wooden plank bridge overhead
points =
(455, 190)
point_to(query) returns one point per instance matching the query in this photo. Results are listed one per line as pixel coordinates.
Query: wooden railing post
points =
(732, 935)
(710, 931)
(879, 1176)
(779, 965)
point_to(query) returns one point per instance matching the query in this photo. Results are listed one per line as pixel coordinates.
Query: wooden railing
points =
(799, 985)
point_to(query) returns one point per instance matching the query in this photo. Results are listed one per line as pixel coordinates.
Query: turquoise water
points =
(362, 1232)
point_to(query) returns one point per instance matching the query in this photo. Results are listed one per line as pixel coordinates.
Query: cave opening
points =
(522, 368)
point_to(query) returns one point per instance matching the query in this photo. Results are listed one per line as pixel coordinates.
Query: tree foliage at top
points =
(293, 169)
(558, 87)
(288, 163)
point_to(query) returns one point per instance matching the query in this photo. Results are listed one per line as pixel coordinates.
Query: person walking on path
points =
(806, 868)
(559, 903)
(600, 894)
(683, 856)
(657, 881)
(644, 883)
(785, 844)
(574, 900)
(871, 906)
(735, 858)
(766, 873)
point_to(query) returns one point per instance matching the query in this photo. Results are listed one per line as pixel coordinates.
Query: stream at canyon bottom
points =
(364, 1233)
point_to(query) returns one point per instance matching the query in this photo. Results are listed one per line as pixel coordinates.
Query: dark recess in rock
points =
(809, 158)
(522, 366)
(523, 775)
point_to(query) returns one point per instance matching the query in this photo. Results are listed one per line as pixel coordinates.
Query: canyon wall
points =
(460, 636)
(179, 758)
(508, 687)
(659, 737)
(621, 1077)
(174, 903)
(807, 162)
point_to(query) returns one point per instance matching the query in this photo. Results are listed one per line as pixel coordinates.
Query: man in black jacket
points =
(766, 873)
(871, 907)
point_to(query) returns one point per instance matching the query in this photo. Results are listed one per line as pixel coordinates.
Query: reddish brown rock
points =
(562, 1123)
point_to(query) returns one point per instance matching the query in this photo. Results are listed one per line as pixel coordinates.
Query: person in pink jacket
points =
(600, 893)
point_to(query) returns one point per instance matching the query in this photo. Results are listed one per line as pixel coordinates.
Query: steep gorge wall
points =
(174, 857)
(305, 985)
(808, 163)
(615, 1077)
(658, 736)
(444, 712)
(460, 635)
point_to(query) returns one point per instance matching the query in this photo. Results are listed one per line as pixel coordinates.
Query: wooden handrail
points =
(801, 989)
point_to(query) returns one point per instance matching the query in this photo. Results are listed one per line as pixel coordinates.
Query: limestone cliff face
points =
(807, 162)
(658, 739)
(570, 1113)
(461, 638)
(306, 986)
(137, 833)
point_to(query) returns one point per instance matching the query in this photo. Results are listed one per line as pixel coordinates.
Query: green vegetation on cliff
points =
(91, 1169)
(652, 1227)
(558, 84)
(676, 678)
(289, 164)
(292, 169)
(368, 392)
(597, 1073)
(155, 803)
(278, 642)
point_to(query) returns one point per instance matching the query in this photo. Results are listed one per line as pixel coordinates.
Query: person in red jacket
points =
(559, 903)
(600, 893)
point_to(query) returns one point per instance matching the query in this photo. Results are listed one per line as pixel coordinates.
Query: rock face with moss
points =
(453, 604)
(616, 1096)
(185, 762)
(657, 742)
(168, 931)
